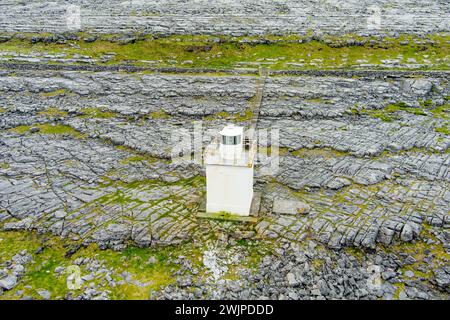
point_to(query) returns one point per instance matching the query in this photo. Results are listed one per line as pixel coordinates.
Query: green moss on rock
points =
(54, 129)
(97, 113)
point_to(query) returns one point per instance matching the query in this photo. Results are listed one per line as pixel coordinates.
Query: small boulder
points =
(59, 269)
(407, 233)
(292, 280)
(442, 278)
(8, 282)
(303, 208)
(59, 214)
(152, 260)
(18, 269)
(45, 294)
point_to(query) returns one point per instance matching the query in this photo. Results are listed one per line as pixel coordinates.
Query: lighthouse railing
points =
(212, 154)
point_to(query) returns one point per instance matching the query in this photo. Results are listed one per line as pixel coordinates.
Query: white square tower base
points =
(229, 189)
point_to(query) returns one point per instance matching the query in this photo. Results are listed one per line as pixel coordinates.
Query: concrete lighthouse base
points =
(253, 217)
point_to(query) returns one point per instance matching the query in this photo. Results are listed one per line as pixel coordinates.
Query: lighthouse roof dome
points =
(231, 130)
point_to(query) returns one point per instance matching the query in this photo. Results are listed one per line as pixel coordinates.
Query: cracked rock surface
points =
(110, 179)
(236, 18)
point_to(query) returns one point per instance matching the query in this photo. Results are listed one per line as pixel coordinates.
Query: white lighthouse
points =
(229, 173)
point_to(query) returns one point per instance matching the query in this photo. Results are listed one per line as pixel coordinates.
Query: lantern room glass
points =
(231, 140)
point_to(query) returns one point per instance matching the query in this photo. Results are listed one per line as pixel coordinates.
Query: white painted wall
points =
(229, 188)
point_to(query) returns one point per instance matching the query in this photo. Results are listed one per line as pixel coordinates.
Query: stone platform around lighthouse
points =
(253, 217)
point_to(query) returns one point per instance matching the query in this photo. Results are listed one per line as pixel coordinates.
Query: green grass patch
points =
(55, 93)
(281, 53)
(97, 113)
(137, 158)
(426, 103)
(53, 113)
(390, 112)
(382, 115)
(21, 129)
(46, 128)
(40, 272)
(226, 216)
(399, 288)
(269, 151)
(358, 253)
(4, 165)
(442, 112)
(150, 269)
(135, 261)
(444, 129)
(245, 116)
(160, 114)
(402, 106)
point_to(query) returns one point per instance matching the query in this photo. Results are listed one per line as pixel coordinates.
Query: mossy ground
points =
(288, 52)
(160, 114)
(54, 93)
(46, 128)
(135, 261)
(4, 165)
(392, 111)
(150, 268)
(244, 116)
(422, 267)
(97, 113)
(53, 113)
(40, 273)
(442, 112)
(444, 129)
(136, 156)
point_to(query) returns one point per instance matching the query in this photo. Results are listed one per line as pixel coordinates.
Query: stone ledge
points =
(253, 218)
(226, 216)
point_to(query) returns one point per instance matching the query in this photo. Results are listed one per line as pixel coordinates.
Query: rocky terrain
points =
(89, 128)
(230, 17)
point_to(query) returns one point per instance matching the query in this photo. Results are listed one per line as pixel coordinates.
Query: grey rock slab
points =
(45, 294)
(442, 278)
(8, 282)
(232, 18)
(292, 280)
(407, 233)
(290, 207)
